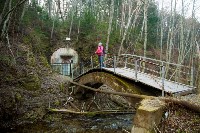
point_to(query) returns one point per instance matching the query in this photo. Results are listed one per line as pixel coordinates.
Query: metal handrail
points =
(183, 70)
(154, 60)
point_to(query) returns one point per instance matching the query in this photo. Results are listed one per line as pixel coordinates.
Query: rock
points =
(148, 115)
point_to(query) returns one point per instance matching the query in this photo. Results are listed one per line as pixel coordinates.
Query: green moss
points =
(57, 102)
(91, 114)
(31, 86)
(62, 87)
(32, 82)
(9, 77)
(53, 117)
(26, 39)
(44, 61)
(6, 59)
(31, 60)
(123, 85)
(35, 114)
(18, 96)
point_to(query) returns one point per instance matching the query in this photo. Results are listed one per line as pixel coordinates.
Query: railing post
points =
(72, 74)
(161, 69)
(136, 69)
(91, 62)
(126, 58)
(140, 64)
(143, 64)
(72, 70)
(192, 77)
(81, 67)
(163, 79)
(62, 69)
(83, 70)
(114, 63)
(70, 66)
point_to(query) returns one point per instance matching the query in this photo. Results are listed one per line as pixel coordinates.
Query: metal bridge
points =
(168, 77)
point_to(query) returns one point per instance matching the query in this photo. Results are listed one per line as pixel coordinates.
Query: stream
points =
(80, 124)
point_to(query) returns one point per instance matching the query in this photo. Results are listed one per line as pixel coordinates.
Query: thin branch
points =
(10, 48)
(11, 10)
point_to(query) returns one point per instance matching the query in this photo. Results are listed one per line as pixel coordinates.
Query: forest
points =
(31, 30)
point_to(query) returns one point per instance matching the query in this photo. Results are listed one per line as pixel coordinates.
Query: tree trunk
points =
(128, 24)
(161, 33)
(181, 47)
(169, 40)
(133, 26)
(122, 19)
(145, 26)
(6, 22)
(110, 26)
(198, 68)
(192, 44)
(49, 7)
(4, 8)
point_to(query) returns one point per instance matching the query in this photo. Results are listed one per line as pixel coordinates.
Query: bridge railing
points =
(171, 71)
(165, 70)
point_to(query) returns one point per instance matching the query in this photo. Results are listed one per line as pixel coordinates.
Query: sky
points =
(188, 5)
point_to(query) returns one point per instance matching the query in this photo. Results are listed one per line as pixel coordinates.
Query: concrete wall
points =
(55, 58)
(67, 56)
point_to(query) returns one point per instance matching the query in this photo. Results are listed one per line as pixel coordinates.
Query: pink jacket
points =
(99, 50)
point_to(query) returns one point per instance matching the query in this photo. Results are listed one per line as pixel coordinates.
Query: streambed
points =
(79, 124)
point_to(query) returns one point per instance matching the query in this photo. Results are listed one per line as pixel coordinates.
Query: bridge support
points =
(148, 115)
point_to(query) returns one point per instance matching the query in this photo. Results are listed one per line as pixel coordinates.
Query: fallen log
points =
(113, 92)
(187, 104)
(92, 113)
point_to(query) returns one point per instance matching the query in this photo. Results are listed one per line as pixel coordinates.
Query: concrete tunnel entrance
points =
(63, 60)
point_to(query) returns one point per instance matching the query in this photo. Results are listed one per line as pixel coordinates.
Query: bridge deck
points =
(153, 81)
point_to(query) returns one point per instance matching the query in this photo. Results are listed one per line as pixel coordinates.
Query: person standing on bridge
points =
(100, 52)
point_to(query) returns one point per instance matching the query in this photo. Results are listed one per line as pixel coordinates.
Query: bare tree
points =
(146, 3)
(136, 10)
(110, 25)
(161, 33)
